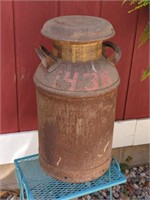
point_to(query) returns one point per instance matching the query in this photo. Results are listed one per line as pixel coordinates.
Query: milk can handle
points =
(48, 60)
(117, 54)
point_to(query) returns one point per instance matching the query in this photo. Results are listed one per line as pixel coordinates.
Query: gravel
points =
(137, 186)
(9, 194)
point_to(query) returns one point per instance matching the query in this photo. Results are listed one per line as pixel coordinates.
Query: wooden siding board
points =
(8, 104)
(125, 27)
(137, 105)
(80, 8)
(29, 19)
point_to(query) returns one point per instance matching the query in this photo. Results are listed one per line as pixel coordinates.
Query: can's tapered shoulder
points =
(78, 28)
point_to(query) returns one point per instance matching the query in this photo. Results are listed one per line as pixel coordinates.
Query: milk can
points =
(76, 87)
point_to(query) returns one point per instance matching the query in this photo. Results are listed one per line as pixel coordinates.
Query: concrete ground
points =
(7, 177)
(139, 154)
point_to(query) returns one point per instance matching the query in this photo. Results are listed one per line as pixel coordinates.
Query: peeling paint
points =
(93, 67)
(79, 126)
(22, 73)
(59, 160)
(106, 146)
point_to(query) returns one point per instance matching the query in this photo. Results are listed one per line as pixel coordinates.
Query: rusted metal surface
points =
(76, 109)
(75, 135)
(78, 29)
(77, 51)
(81, 79)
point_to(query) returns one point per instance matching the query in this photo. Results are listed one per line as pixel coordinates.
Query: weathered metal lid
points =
(78, 28)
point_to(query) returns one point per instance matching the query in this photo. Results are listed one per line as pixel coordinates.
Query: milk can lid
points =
(76, 28)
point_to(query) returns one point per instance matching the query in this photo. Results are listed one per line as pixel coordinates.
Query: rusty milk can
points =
(76, 88)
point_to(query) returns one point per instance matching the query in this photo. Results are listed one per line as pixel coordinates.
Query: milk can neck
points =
(76, 51)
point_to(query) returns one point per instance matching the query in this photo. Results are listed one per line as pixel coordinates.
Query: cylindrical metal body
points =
(76, 100)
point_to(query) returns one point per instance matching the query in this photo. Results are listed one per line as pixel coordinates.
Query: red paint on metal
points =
(72, 81)
(94, 81)
(105, 77)
(8, 104)
(57, 77)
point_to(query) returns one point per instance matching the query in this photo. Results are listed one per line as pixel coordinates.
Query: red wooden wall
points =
(21, 22)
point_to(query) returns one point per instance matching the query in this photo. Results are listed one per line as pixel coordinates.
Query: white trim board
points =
(20, 144)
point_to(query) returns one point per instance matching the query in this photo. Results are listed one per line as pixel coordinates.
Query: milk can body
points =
(76, 99)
